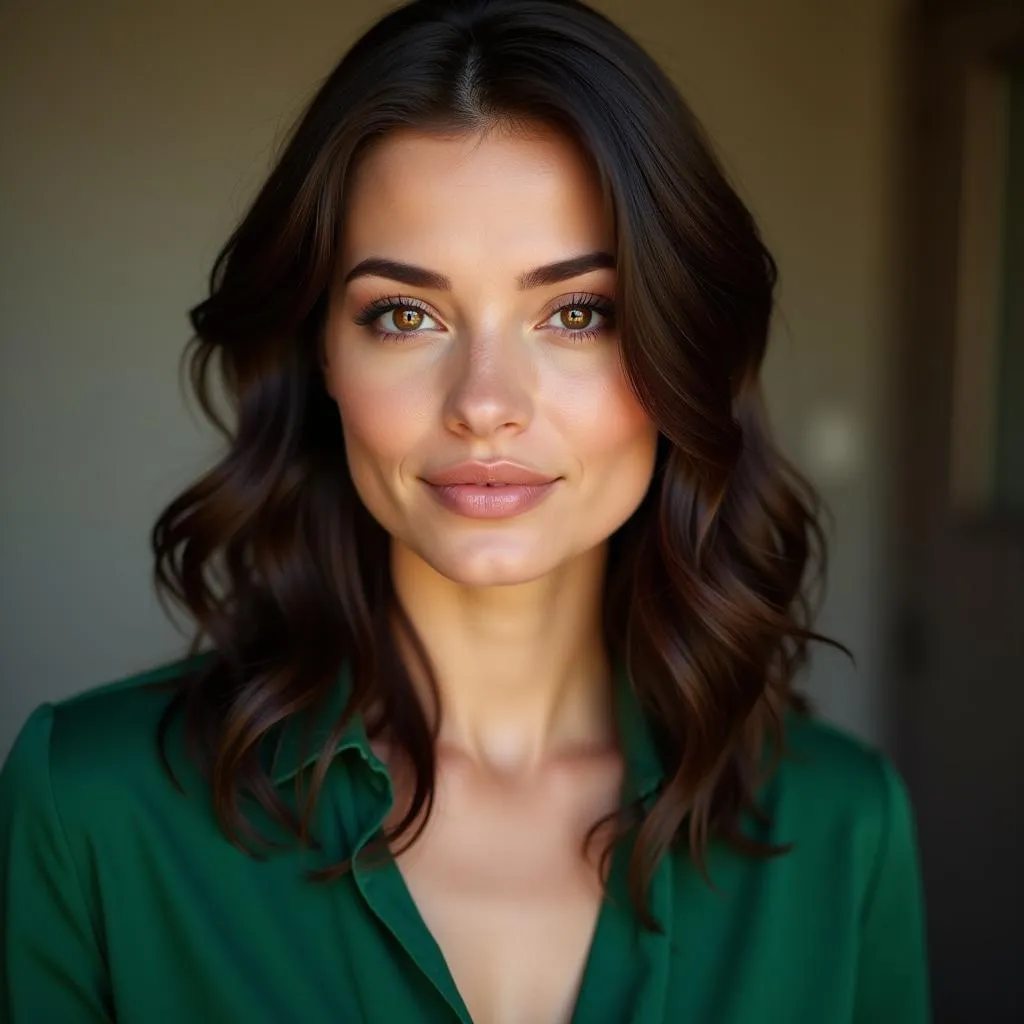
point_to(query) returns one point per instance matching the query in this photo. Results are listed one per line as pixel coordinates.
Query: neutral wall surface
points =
(133, 136)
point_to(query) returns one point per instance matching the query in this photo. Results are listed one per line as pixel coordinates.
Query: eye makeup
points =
(586, 301)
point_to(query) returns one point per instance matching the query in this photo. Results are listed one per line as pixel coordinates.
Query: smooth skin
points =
(496, 367)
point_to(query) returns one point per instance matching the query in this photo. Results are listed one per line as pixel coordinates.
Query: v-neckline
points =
(619, 947)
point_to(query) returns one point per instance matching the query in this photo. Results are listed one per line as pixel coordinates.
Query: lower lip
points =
(478, 501)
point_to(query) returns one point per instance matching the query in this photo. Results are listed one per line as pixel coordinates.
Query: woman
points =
(503, 585)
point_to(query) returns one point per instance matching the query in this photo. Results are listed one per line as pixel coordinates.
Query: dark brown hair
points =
(285, 573)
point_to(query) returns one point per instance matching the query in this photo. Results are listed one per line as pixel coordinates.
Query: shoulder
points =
(828, 771)
(838, 795)
(114, 715)
(79, 752)
(822, 756)
(825, 765)
(845, 808)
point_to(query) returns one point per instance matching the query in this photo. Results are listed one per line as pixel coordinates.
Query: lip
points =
(489, 490)
(483, 473)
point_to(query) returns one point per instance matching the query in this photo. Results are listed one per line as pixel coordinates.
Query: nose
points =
(492, 384)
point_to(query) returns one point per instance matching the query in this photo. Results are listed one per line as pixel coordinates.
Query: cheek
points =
(616, 443)
(603, 416)
(624, 445)
(622, 460)
(382, 413)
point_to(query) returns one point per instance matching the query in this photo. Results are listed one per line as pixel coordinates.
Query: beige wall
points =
(133, 135)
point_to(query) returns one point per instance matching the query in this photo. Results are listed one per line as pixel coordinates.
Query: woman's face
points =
(488, 424)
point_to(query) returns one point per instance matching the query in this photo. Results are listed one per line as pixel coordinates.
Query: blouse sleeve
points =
(51, 967)
(892, 972)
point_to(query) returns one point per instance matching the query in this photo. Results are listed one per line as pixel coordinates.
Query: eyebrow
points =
(420, 277)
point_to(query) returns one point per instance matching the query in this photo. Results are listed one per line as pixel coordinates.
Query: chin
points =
(489, 568)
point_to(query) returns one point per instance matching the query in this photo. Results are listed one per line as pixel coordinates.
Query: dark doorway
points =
(959, 543)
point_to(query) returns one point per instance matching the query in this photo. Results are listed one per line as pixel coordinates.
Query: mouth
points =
(489, 490)
(492, 486)
(489, 474)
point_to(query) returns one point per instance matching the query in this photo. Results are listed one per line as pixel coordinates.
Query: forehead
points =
(480, 196)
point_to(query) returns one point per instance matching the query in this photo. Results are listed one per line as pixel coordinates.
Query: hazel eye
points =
(582, 319)
(576, 317)
(406, 320)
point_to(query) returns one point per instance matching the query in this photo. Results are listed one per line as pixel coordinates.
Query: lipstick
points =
(489, 490)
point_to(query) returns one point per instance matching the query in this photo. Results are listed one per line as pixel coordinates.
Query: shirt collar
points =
(645, 770)
(303, 735)
(297, 751)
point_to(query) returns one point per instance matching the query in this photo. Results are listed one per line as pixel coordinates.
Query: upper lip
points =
(487, 473)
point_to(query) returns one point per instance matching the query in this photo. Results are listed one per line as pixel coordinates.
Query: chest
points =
(506, 887)
(195, 929)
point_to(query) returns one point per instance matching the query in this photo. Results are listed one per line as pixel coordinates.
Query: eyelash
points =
(582, 300)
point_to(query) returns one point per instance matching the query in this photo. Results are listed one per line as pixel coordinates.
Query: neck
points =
(522, 670)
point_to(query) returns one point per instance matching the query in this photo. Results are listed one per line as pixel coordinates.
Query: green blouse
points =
(120, 899)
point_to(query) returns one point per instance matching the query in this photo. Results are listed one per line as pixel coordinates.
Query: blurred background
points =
(880, 143)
